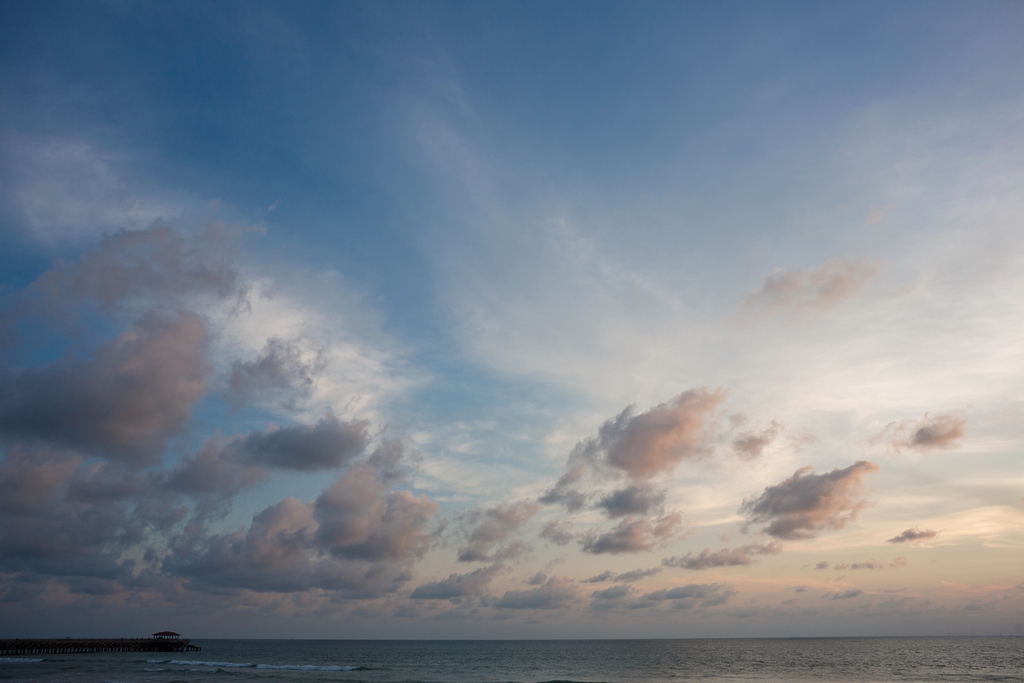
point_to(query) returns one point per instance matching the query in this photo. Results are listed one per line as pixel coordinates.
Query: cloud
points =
(930, 433)
(630, 576)
(806, 503)
(657, 440)
(357, 538)
(633, 535)
(359, 519)
(824, 564)
(63, 517)
(693, 595)
(554, 594)
(750, 445)
(328, 444)
(632, 500)
(213, 470)
(819, 287)
(157, 269)
(558, 532)
(285, 370)
(124, 403)
(869, 564)
(898, 563)
(913, 534)
(457, 585)
(744, 555)
(492, 527)
(847, 594)
(614, 593)
(537, 579)
(639, 447)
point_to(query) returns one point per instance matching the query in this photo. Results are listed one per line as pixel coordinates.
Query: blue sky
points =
(298, 294)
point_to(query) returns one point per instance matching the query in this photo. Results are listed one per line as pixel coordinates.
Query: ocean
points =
(908, 660)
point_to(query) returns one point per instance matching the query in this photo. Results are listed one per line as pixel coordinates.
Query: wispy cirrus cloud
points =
(726, 557)
(818, 287)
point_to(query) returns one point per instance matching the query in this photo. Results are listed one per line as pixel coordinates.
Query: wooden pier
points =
(82, 645)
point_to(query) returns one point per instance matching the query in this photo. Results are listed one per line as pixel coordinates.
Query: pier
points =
(61, 646)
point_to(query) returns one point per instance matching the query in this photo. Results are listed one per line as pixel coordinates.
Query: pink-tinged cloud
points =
(726, 557)
(751, 444)
(641, 447)
(913, 534)
(806, 503)
(357, 538)
(819, 287)
(634, 535)
(122, 404)
(930, 433)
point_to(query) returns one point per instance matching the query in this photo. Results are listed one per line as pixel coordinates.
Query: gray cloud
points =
(558, 532)
(358, 539)
(359, 519)
(492, 527)
(847, 594)
(806, 503)
(818, 287)
(457, 585)
(63, 517)
(693, 595)
(537, 579)
(633, 535)
(153, 269)
(637, 574)
(824, 564)
(726, 557)
(328, 444)
(913, 534)
(213, 470)
(614, 593)
(869, 564)
(554, 594)
(638, 499)
(630, 576)
(124, 403)
(750, 444)
(930, 433)
(285, 370)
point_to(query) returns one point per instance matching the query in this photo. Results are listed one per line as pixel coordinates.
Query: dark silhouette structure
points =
(165, 641)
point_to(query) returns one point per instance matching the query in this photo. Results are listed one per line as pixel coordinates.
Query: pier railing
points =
(83, 645)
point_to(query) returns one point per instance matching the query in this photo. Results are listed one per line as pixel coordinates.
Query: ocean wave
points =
(307, 667)
(19, 660)
(250, 665)
(226, 665)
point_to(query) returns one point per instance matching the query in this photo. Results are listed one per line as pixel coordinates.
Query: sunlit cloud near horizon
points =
(423, 320)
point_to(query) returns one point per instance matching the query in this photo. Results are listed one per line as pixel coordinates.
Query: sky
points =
(511, 319)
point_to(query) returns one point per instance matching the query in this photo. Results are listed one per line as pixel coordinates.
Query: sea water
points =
(907, 660)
